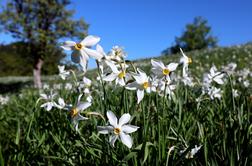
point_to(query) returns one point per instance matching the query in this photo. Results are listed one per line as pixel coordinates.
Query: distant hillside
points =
(204, 59)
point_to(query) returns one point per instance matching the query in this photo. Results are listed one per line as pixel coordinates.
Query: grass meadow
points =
(189, 117)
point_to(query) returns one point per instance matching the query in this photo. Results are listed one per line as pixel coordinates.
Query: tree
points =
(196, 36)
(40, 24)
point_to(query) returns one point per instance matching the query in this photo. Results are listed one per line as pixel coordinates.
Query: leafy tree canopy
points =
(197, 35)
(40, 24)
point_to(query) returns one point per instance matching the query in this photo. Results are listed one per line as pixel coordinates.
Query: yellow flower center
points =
(78, 46)
(121, 75)
(145, 85)
(166, 71)
(189, 60)
(117, 131)
(73, 112)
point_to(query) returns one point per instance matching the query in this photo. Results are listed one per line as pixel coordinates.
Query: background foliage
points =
(197, 35)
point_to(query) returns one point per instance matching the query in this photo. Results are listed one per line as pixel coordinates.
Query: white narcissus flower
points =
(166, 88)
(68, 86)
(117, 53)
(57, 86)
(119, 129)
(246, 83)
(46, 86)
(216, 76)
(142, 83)
(214, 92)
(87, 82)
(100, 50)
(235, 92)
(118, 75)
(103, 61)
(185, 60)
(75, 112)
(81, 51)
(188, 81)
(4, 100)
(49, 104)
(61, 103)
(192, 152)
(62, 73)
(162, 71)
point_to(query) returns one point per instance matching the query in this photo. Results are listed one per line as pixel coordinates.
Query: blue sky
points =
(146, 27)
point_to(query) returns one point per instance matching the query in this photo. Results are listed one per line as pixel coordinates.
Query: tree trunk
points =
(37, 73)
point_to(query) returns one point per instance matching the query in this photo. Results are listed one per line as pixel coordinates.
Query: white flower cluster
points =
(4, 100)
(115, 70)
(209, 81)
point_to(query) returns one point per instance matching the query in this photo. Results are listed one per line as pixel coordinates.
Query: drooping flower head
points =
(75, 112)
(185, 60)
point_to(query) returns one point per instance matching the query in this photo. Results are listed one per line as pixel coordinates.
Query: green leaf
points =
(1, 157)
(58, 142)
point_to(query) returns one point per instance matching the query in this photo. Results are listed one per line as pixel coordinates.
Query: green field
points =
(170, 124)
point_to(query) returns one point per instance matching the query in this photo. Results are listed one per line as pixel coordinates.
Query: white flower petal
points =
(112, 139)
(182, 52)
(79, 117)
(48, 106)
(84, 54)
(185, 71)
(104, 129)
(87, 81)
(79, 98)
(218, 80)
(132, 86)
(90, 40)
(156, 64)
(83, 64)
(68, 45)
(121, 81)
(148, 90)
(139, 79)
(82, 106)
(44, 96)
(125, 118)
(100, 49)
(112, 66)
(76, 126)
(140, 95)
(126, 139)
(61, 68)
(93, 53)
(110, 77)
(143, 75)
(129, 128)
(61, 101)
(112, 118)
(172, 66)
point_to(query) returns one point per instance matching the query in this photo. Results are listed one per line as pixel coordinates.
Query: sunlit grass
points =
(169, 128)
